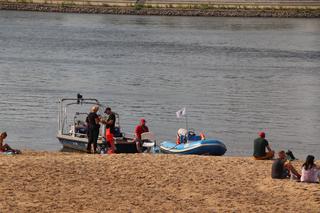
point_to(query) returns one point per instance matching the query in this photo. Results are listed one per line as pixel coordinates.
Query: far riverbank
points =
(227, 8)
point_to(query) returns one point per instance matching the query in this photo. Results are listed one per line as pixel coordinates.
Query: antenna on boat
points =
(79, 98)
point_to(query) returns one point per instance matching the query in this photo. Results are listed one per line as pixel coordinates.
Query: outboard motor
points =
(79, 98)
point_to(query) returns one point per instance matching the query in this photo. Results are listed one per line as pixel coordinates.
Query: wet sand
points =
(74, 182)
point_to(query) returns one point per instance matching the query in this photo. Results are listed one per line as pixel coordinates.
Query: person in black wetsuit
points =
(93, 129)
(281, 168)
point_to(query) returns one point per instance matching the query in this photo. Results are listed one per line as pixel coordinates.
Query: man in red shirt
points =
(141, 128)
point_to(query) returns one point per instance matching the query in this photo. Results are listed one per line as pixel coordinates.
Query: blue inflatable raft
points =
(194, 145)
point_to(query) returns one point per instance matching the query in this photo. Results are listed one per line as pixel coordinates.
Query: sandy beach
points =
(75, 182)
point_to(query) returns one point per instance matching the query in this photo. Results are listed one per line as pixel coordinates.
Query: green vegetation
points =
(68, 4)
(138, 6)
(148, 6)
(204, 6)
(169, 6)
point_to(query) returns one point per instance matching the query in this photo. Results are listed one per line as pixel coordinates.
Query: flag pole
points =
(187, 124)
(180, 113)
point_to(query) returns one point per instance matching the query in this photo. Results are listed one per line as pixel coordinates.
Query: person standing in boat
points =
(93, 129)
(259, 148)
(110, 123)
(141, 128)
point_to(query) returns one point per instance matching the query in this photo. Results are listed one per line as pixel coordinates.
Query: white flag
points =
(181, 112)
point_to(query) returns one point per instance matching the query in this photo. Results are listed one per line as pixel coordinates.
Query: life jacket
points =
(202, 136)
(178, 139)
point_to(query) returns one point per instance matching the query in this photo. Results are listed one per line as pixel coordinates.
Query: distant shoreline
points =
(196, 10)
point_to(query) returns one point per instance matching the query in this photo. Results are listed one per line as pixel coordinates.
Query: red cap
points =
(143, 120)
(262, 134)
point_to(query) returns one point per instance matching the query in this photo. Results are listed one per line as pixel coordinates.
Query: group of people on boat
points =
(282, 167)
(93, 121)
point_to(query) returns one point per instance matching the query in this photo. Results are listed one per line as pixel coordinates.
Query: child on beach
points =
(310, 171)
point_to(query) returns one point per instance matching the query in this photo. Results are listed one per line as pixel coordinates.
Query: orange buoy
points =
(178, 139)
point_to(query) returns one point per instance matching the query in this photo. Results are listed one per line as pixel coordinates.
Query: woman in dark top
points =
(93, 129)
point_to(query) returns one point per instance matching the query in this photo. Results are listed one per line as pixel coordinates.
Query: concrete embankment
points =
(233, 8)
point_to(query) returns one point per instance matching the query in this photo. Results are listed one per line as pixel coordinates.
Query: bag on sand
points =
(290, 156)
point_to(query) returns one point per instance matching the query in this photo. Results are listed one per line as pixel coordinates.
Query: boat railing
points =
(80, 135)
(64, 103)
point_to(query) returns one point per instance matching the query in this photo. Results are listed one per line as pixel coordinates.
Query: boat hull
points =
(123, 145)
(200, 147)
(73, 143)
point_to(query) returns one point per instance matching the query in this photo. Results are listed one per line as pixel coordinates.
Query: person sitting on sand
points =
(259, 148)
(5, 147)
(141, 128)
(282, 168)
(310, 172)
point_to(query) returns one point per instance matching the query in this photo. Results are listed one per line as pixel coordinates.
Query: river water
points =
(235, 76)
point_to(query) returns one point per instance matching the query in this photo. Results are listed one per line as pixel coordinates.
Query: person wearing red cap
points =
(141, 128)
(259, 148)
